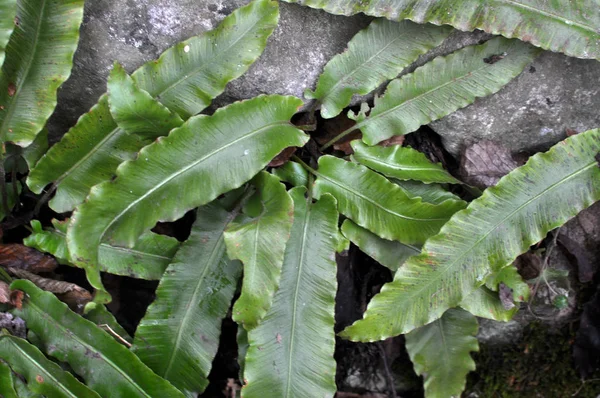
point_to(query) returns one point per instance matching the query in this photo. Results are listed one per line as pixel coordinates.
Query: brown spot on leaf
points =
(12, 89)
(39, 379)
(278, 338)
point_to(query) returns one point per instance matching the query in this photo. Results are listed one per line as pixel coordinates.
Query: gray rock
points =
(135, 31)
(533, 111)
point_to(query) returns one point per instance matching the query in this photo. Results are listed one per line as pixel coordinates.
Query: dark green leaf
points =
(490, 233)
(38, 60)
(291, 350)
(8, 10)
(107, 367)
(293, 173)
(179, 336)
(7, 387)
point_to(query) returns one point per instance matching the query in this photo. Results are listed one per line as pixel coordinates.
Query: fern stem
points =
(338, 137)
(307, 167)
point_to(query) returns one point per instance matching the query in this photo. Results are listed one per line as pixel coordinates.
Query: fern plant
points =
(145, 154)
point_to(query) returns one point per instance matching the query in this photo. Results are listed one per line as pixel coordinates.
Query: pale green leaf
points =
(259, 243)
(293, 173)
(485, 303)
(43, 376)
(179, 335)
(375, 55)
(509, 276)
(8, 10)
(570, 27)
(106, 366)
(291, 350)
(147, 259)
(379, 205)
(491, 232)
(7, 387)
(135, 110)
(38, 60)
(183, 81)
(443, 86)
(202, 159)
(400, 162)
(441, 353)
(389, 253)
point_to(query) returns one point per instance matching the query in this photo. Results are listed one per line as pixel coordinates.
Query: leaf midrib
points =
(75, 337)
(32, 57)
(56, 382)
(185, 169)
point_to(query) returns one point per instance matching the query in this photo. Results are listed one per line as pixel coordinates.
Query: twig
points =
(115, 335)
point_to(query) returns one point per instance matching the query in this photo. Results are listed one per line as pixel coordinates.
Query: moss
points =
(539, 365)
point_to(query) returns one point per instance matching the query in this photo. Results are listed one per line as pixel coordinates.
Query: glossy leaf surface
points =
(375, 55)
(443, 86)
(491, 232)
(378, 205)
(43, 376)
(38, 60)
(291, 350)
(293, 173)
(389, 253)
(147, 259)
(570, 27)
(259, 243)
(403, 163)
(8, 10)
(135, 110)
(207, 156)
(441, 352)
(183, 80)
(107, 367)
(179, 335)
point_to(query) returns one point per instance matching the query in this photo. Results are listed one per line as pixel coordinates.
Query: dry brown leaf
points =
(395, 140)
(16, 298)
(331, 128)
(19, 256)
(283, 157)
(485, 162)
(4, 292)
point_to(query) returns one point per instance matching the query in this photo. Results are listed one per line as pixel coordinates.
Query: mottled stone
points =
(533, 111)
(135, 31)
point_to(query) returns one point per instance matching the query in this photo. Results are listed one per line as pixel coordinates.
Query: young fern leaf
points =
(7, 386)
(38, 60)
(291, 350)
(490, 233)
(106, 366)
(440, 352)
(135, 110)
(258, 240)
(179, 335)
(485, 303)
(375, 203)
(202, 159)
(147, 259)
(570, 27)
(8, 10)
(389, 253)
(43, 376)
(185, 79)
(400, 162)
(374, 55)
(443, 86)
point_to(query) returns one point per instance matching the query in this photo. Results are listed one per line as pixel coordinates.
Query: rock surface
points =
(135, 31)
(533, 111)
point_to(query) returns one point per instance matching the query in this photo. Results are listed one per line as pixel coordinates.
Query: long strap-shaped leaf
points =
(291, 350)
(570, 27)
(441, 351)
(135, 110)
(207, 156)
(147, 259)
(259, 243)
(179, 335)
(7, 386)
(443, 86)
(185, 79)
(400, 162)
(490, 233)
(107, 367)
(38, 60)
(374, 55)
(8, 10)
(43, 376)
(378, 205)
